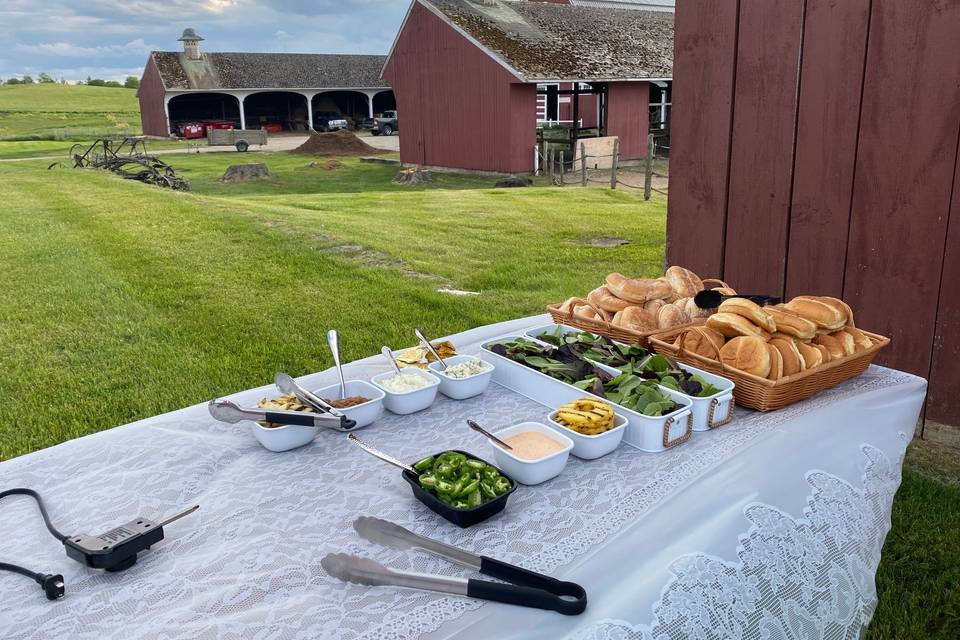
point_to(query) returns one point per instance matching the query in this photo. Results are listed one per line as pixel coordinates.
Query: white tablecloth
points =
(770, 527)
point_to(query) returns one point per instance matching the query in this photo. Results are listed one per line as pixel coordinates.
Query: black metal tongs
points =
(710, 299)
(526, 588)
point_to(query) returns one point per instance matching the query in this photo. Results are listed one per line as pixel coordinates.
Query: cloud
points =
(68, 50)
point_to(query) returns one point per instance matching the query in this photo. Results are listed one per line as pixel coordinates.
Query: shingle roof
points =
(270, 70)
(545, 41)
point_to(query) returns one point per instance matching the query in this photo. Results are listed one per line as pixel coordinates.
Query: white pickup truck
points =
(328, 121)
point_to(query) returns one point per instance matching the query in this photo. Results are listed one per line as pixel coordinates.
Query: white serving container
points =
(283, 438)
(408, 401)
(592, 447)
(642, 432)
(705, 418)
(531, 471)
(462, 388)
(362, 414)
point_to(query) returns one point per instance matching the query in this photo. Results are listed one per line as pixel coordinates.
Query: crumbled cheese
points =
(466, 369)
(405, 382)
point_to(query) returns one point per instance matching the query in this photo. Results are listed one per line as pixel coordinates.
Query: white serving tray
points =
(652, 434)
(709, 412)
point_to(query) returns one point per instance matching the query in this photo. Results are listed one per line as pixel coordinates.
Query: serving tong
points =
(523, 587)
(710, 299)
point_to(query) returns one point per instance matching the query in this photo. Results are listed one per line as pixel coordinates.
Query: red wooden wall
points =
(628, 116)
(151, 94)
(459, 107)
(814, 150)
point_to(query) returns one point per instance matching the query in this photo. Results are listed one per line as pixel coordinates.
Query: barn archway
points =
(203, 106)
(384, 101)
(284, 109)
(352, 105)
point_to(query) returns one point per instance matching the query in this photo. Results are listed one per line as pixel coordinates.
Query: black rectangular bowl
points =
(461, 517)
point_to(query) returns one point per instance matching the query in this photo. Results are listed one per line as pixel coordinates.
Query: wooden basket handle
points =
(717, 281)
(681, 350)
(580, 302)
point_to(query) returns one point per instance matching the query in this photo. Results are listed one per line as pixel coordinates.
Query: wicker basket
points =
(603, 328)
(761, 394)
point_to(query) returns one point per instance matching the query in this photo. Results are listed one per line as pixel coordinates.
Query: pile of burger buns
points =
(774, 342)
(644, 304)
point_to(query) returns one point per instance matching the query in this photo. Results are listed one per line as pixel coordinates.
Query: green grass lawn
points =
(124, 301)
(66, 112)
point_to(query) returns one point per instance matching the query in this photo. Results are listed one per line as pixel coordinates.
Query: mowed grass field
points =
(123, 301)
(55, 112)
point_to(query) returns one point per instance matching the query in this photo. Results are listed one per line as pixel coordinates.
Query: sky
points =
(110, 39)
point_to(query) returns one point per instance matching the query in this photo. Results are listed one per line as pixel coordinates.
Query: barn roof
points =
(269, 70)
(541, 41)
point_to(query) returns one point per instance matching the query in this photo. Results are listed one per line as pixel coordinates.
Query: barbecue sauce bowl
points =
(461, 517)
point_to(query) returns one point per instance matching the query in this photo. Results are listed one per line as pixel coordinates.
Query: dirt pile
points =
(338, 143)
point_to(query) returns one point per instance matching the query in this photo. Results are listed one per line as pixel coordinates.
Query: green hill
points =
(66, 112)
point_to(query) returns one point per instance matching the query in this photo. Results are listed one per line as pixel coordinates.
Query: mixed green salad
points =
(459, 481)
(564, 363)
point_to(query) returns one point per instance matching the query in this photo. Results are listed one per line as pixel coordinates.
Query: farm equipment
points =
(128, 159)
(239, 138)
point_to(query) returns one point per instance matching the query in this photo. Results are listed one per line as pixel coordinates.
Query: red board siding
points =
(761, 155)
(942, 403)
(905, 170)
(704, 62)
(827, 125)
(628, 117)
(455, 96)
(875, 178)
(151, 94)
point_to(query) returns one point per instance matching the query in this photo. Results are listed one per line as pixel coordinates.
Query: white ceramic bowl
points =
(462, 388)
(362, 414)
(283, 438)
(408, 401)
(531, 471)
(592, 447)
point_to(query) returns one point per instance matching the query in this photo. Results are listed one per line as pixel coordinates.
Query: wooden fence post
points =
(583, 164)
(613, 163)
(550, 165)
(648, 177)
(563, 164)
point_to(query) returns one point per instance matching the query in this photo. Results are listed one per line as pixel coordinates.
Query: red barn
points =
(293, 91)
(473, 77)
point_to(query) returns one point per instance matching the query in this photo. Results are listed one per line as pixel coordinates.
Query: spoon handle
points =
(380, 454)
(473, 425)
(385, 350)
(426, 342)
(333, 339)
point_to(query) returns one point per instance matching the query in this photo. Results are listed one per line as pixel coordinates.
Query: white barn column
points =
(309, 96)
(370, 95)
(243, 115)
(166, 112)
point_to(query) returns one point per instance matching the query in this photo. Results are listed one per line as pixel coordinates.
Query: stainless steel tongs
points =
(526, 588)
(227, 411)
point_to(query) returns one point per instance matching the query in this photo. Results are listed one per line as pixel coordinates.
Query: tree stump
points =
(413, 176)
(244, 172)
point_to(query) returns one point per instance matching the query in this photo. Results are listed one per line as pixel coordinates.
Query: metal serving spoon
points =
(333, 339)
(380, 454)
(473, 425)
(426, 342)
(385, 350)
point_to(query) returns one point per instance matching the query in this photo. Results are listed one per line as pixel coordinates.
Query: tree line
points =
(131, 82)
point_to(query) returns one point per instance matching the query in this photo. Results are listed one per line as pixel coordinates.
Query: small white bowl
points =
(283, 438)
(592, 447)
(408, 401)
(462, 388)
(362, 414)
(532, 471)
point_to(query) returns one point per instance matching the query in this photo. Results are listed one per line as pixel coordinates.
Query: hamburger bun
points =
(832, 345)
(846, 341)
(702, 341)
(670, 315)
(810, 354)
(602, 297)
(694, 311)
(824, 353)
(635, 319)
(791, 324)
(685, 283)
(792, 360)
(732, 325)
(653, 305)
(776, 363)
(638, 291)
(748, 354)
(841, 307)
(825, 316)
(860, 339)
(749, 310)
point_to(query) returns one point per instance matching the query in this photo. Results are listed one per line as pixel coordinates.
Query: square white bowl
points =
(283, 438)
(532, 471)
(592, 447)
(362, 414)
(407, 402)
(462, 388)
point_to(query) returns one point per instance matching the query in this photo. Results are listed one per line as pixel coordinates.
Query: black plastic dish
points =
(461, 517)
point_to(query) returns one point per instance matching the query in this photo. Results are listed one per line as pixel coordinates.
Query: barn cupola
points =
(191, 43)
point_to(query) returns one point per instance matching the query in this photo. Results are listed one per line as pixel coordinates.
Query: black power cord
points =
(52, 585)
